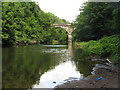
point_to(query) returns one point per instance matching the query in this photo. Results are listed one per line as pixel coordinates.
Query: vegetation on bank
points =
(26, 23)
(97, 29)
(106, 47)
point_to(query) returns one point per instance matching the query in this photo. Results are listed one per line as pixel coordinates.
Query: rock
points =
(97, 59)
(54, 82)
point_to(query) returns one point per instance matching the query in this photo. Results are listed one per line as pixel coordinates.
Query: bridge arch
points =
(68, 28)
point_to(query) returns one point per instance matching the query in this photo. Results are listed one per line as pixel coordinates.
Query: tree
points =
(25, 22)
(96, 20)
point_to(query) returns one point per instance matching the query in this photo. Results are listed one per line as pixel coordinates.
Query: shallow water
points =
(42, 66)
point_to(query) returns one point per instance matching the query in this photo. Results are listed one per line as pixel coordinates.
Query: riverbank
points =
(102, 76)
(106, 47)
(32, 43)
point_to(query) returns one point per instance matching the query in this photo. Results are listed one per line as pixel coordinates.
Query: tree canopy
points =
(96, 20)
(25, 22)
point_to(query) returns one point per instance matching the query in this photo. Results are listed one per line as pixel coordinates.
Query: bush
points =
(105, 47)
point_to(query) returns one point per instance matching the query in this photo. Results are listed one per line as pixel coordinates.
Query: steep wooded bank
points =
(26, 23)
(98, 23)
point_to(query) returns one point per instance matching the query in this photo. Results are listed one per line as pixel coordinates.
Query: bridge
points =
(68, 28)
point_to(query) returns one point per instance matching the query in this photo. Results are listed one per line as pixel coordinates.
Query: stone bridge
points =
(68, 28)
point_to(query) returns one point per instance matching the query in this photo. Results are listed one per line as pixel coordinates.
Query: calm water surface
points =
(42, 66)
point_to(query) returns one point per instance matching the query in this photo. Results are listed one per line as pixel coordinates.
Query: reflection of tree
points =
(83, 66)
(22, 67)
(80, 53)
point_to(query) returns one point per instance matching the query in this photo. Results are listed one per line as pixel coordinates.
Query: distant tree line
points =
(26, 23)
(97, 20)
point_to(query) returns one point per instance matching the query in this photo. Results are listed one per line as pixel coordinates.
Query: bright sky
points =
(65, 9)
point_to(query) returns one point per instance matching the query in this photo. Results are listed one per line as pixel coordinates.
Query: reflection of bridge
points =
(68, 28)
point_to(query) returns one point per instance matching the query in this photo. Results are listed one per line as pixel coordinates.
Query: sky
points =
(65, 9)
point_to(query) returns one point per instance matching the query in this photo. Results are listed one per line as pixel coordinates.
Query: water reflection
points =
(23, 66)
(42, 66)
(83, 65)
(62, 73)
(70, 51)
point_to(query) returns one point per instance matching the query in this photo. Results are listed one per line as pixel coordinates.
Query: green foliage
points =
(60, 35)
(25, 22)
(54, 42)
(97, 20)
(105, 47)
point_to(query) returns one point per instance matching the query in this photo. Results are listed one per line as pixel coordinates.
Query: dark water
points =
(42, 66)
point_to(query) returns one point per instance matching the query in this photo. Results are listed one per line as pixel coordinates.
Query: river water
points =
(42, 66)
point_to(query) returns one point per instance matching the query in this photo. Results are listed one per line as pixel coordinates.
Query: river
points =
(42, 66)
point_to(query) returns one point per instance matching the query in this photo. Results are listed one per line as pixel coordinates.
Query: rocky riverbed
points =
(104, 75)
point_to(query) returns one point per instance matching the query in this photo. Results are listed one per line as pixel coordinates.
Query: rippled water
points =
(42, 66)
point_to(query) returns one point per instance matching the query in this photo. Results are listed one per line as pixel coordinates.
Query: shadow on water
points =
(84, 67)
(83, 64)
(26, 67)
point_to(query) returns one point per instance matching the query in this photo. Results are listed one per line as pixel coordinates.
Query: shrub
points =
(105, 47)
